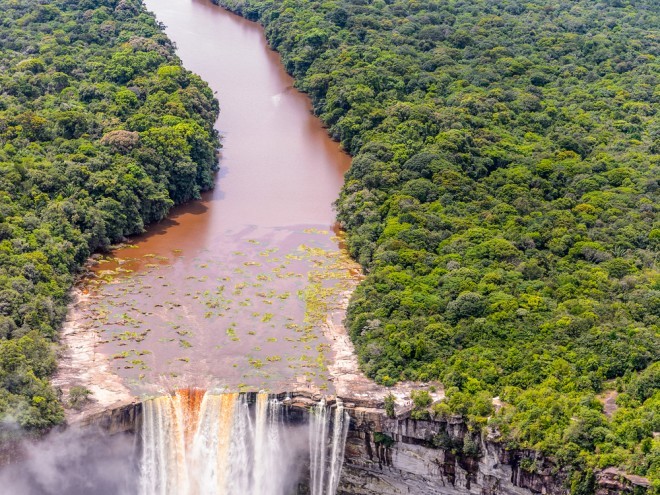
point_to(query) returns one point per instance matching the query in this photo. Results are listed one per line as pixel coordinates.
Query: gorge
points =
(211, 352)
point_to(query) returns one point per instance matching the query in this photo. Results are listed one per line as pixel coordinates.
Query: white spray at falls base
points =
(199, 443)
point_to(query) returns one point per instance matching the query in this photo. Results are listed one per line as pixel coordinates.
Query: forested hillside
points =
(503, 200)
(101, 132)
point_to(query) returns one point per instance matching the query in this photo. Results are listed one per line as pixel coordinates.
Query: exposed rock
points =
(399, 456)
(612, 481)
(81, 365)
(123, 419)
(348, 380)
(413, 462)
(608, 400)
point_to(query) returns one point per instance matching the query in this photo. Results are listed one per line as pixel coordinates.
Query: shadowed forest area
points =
(503, 202)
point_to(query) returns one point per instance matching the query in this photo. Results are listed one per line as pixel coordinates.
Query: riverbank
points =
(80, 364)
(88, 156)
(228, 292)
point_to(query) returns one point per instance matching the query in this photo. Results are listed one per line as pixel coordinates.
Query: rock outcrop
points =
(396, 456)
(406, 456)
(612, 481)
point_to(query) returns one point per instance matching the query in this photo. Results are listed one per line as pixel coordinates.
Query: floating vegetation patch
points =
(220, 309)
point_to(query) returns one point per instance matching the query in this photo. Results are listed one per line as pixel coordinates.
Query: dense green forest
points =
(101, 132)
(503, 200)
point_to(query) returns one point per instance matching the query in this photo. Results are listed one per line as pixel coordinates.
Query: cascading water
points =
(318, 447)
(339, 432)
(198, 443)
(326, 447)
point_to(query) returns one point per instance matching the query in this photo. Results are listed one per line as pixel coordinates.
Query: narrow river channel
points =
(229, 292)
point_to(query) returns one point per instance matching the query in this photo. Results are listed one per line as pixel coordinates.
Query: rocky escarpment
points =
(396, 456)
(123, 419)
(402, 456)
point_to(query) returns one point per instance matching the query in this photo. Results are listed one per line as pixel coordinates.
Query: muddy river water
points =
(231, 291)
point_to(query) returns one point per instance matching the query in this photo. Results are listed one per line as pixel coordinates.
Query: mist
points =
(73, 462)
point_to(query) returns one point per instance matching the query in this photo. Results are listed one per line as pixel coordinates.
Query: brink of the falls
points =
(199, 443)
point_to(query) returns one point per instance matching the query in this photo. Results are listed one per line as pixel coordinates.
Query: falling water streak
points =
(195, 443)
(209, 459)
(188, 403)
(318, 430)
(326, 448)
(224, 434)
(179, 427)
(163, 453)
(339, 433)
(239, 472)
(271, 452)
(260, 461)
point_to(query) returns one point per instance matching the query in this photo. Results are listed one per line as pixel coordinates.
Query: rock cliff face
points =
(399, 456)
(612, 481)
(124, 419)
(406, 456)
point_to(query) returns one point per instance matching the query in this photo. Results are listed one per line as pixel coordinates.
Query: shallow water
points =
(229, 291)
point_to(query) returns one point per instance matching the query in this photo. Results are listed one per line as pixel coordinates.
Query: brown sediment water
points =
(278, 166)
(230, 291)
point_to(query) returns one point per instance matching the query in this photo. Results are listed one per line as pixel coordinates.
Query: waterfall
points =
(318, 447)
(326, 447)
(162, 455)
(199, 443)
(340, 426)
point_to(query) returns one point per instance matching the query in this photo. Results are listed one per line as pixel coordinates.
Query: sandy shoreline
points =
(79, 364)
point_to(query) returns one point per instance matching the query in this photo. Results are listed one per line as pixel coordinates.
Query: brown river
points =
(230, 292)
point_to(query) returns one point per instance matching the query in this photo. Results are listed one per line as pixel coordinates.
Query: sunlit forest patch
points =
(102, 131)
(503, 201)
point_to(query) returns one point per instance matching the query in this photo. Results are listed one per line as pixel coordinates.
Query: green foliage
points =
(26, 397)
(503, 201)
(78, 396)
(470, 446)
(421, 398)
(101, 132)
(446, 442)
(583, 483)
(389, 405)
(647, 383)
(383, 439)
(421, 401)
(476, 405)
